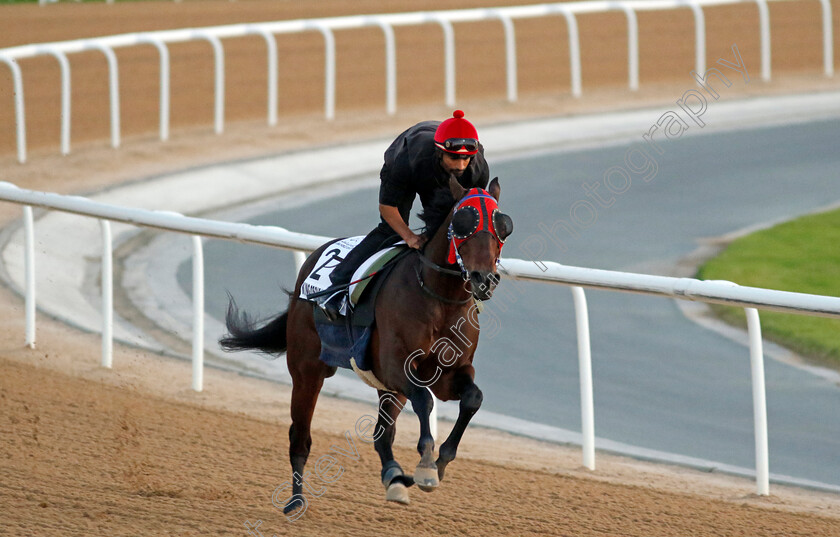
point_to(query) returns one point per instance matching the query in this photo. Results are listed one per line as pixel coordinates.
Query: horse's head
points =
(477, 232)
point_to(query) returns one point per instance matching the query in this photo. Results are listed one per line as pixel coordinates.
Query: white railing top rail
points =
(362, 21)
(545, 271)
(165, 220)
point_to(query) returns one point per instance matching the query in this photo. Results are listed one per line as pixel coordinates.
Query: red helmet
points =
(457, 135)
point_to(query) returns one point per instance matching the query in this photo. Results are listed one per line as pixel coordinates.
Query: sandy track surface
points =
(87, 451)
(86, 457)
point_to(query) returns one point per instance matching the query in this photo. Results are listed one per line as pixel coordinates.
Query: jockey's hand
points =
(416, 241)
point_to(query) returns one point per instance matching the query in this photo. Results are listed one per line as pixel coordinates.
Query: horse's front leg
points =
(471, 398)
(393, 477)
(425, 475)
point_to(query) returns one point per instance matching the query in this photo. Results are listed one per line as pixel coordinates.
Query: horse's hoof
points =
(295, 502)
(426, 478)
(397, 492)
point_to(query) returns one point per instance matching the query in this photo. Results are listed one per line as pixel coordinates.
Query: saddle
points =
(344, 342)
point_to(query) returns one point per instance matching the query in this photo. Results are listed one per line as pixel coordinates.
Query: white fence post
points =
(699, 37)
(163, 52)
(390, 67)
(448, 59)
(198, 316)
(587, 404)
(107, 295)
(300, 259)
(271, 53)
(219, 78)
(20, 115)
(114, 88)
(510, 54)
(828, 38)
(574, 47)
(329, 69)
(433, 417)
(762, 464)
(65, 98)
(764, 28)
(632, 46)
(29, 269)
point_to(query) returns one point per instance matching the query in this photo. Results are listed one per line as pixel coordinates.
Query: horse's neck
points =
(437, 249)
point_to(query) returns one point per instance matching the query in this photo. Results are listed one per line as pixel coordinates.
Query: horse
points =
(423, 341)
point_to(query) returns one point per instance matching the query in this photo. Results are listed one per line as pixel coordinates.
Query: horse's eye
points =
(503, 224)
(465, 222)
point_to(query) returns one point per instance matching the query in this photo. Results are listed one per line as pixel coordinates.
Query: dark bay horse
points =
(424, 338)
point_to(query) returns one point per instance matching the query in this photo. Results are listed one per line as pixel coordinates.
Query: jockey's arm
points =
(392, 216)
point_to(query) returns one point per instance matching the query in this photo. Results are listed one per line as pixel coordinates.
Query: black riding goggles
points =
(460, 145)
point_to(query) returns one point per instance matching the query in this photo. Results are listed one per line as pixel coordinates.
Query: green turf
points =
(802, 255)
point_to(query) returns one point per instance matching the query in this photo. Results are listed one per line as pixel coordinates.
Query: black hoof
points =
(295, 503)
(441, 464)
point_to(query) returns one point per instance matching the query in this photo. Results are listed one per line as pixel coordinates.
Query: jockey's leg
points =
(381, 236)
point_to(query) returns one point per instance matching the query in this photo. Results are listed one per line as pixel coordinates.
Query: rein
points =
(429, 263)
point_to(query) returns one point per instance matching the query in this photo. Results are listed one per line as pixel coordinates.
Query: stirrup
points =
(331, 305)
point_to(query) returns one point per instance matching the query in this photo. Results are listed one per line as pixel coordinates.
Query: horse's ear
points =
(494, 189)
(456, 189)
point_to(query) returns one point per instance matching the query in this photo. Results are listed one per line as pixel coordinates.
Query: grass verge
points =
(802, 255)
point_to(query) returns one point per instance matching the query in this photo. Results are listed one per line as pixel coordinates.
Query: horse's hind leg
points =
(426, 474)
(308, 376)
(393, 477)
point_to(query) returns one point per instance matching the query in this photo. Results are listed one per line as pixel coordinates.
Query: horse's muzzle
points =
(483, 283)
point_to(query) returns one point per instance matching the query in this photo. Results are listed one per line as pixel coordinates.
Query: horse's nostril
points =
(494, 278)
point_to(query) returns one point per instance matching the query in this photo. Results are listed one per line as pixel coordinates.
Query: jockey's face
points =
(454, 164)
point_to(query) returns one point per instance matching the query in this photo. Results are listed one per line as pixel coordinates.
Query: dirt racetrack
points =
(133, 451)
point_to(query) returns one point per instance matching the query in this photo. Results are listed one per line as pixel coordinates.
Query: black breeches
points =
(381, 236)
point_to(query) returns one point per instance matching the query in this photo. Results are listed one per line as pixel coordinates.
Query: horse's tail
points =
(243, 333)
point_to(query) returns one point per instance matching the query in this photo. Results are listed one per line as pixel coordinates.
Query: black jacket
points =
(411, 168)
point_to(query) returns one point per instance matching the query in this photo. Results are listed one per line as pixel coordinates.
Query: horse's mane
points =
(437, 211)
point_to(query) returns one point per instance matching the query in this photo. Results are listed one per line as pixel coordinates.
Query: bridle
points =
(476, 212)
(443, 270)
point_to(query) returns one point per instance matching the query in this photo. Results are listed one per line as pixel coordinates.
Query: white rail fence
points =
(386, 22)
(717, 292)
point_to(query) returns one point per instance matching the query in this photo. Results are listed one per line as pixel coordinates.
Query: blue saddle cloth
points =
(341, 342)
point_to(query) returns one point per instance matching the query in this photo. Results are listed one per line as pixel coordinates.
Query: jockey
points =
(418, 162)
